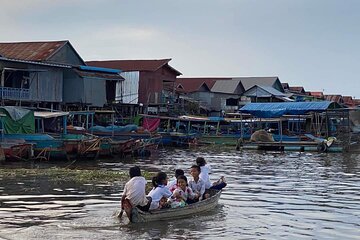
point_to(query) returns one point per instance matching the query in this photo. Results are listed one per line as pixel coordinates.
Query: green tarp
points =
(17, 120)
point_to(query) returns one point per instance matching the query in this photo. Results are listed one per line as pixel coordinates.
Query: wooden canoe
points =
(138, 216)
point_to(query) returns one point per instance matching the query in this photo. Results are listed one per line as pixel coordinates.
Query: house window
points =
(232, 102)
(17, 79)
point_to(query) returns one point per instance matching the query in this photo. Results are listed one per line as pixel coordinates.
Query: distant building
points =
(51, 74)
(266, 94)
(150, 82)
(334, 98)
(225, 94)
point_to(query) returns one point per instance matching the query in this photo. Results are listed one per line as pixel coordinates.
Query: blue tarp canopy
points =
(278, 109)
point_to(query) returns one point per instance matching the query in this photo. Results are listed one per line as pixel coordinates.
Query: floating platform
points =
(298, 146)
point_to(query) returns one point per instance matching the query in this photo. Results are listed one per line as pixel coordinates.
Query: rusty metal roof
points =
(194, 84)
(30, 51)
(134, 65)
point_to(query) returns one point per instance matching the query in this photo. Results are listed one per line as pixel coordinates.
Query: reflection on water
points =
(269, 195)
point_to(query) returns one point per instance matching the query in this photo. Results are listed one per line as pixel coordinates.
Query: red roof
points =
(296, 89)
(133, 65)
(317, 94)
(194, 84)
(334, 98)
(348, 100)
(31, 51)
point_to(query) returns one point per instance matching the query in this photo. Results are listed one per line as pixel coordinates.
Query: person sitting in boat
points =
(204, 175)
(163, 203)
(159, 190)
(173, 181)
(204, 171)
(196, 184)
(134, 191)
(181, 194)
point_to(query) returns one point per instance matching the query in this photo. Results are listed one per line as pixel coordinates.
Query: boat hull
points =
(139, 216)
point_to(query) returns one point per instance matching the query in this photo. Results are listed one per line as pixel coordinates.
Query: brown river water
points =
(270, 195)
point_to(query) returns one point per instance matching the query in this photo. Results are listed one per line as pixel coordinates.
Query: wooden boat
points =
(17, 149)
(138, 216)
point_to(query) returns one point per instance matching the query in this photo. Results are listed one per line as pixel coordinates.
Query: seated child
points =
(163, 203)
(196, 184)
(181, 194)
(204, 171)
(134, 191)
(172, 183)
(159, 190)
(204, 175)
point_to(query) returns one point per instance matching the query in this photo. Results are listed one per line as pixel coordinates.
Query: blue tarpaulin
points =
(278, 109)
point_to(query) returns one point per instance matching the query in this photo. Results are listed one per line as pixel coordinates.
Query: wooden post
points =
(2, 86)
(65, 123)
(217, 128)
(241, 127)
(92, 123)
(280, 130)
(113, 124)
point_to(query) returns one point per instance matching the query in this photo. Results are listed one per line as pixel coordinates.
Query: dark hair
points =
(179, 172)
(134, 172)
(157, 180)
(200, 161)
(183, 178)
(197, 167)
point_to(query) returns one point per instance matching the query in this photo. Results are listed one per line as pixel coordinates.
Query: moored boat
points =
(137, 216)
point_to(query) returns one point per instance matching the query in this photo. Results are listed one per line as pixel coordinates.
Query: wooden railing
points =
(14, 93)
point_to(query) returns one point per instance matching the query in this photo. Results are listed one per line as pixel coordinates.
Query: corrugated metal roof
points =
(249, 82)
(99, 69)
(317, 94)
(36, 63)
(273, 110)
(335, 98)
(265, 91)
(31, 51)
(297, 89)
(194, 84)
(226, 86)
(100, 75)
(134, 65)
(46, 114)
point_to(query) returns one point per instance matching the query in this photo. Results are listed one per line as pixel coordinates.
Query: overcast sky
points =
(310, 43)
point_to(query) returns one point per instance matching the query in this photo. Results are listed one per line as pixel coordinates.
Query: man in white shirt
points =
(134, 190)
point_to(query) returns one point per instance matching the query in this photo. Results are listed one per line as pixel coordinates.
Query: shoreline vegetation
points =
(66, 174)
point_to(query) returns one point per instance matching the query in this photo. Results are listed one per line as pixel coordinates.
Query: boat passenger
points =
(181, 194)
(134, 190)
(204, 171)
(196, 184)
(173, 181)
(204, 175)
(159, 190)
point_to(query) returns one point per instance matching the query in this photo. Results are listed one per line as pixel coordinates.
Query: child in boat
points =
(163, 203)
(181, 194)
(196, 184)
(204, 175)
(159, 190)
(204, 171)
(172, 183)
(134, 190)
